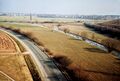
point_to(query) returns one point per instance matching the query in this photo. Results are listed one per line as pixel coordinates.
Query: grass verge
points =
(32, 68)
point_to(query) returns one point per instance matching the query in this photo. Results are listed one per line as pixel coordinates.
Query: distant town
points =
(94, 17)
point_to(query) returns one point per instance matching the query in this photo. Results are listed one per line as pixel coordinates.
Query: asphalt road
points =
(45, 65)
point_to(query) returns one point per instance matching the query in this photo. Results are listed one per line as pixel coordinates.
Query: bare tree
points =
(110, 43)
(84, 35)
(93, 36)
(63, 60)
(59, 25)
(66, 30)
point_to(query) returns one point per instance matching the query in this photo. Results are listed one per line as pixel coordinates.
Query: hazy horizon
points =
(70, 7)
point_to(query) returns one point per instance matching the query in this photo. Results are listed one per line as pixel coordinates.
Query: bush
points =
(63, 60)
(78, 73)
(75, 72)
(16, 30)
(111, 44)
(59, 25)
(48, 51)
(110, 30)
(34, 39)
(38, 42)
(2, 26)
(66, 30)
(84, 35)
(26, 34)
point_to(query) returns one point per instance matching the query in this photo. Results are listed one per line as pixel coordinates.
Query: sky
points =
(76, 7)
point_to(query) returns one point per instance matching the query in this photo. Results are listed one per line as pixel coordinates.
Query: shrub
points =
(73, 70)
(38, 42)
(27, 34)
(59, 25)
(66, 30)
(48, 51)
(111, 44)
(34, 39)
(63, 60)
(110, 30)
(93, 36)
(84, 35)
(16, 30)
(78, 73)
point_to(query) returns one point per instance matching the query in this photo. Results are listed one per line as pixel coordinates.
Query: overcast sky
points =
(82, 7)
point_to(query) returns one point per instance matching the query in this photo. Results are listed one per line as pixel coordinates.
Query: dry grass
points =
(6, 44)
(15, 67)
(11, 62)
(32, 68)
(97, 63)
(4, 77)
(79, 28)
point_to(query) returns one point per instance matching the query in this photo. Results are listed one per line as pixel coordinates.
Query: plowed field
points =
(12, 61)
(6, 44)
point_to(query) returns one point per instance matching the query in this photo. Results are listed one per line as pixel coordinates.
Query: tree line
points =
(110, 30)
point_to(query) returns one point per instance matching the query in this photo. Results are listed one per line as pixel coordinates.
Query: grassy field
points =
(99, 65)
(71, 24)
(78, 28)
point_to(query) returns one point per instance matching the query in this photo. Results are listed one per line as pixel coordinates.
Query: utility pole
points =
(30, 17)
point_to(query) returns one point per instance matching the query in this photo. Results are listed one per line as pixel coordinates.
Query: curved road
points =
(45, 66)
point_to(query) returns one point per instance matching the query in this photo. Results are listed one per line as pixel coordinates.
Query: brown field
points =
(15, 67)
(6, 44)
(12, 61)
(4, 77)
(99, 65)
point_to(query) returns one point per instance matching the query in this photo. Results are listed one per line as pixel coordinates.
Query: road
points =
(45, 65)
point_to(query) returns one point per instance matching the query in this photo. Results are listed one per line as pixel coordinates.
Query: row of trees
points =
(109, 30)
(75, 71)
(111, 44)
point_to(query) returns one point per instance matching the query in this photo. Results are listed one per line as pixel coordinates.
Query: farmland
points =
(15, 67)
(12, 61)
(91, 59)
(6, 44)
